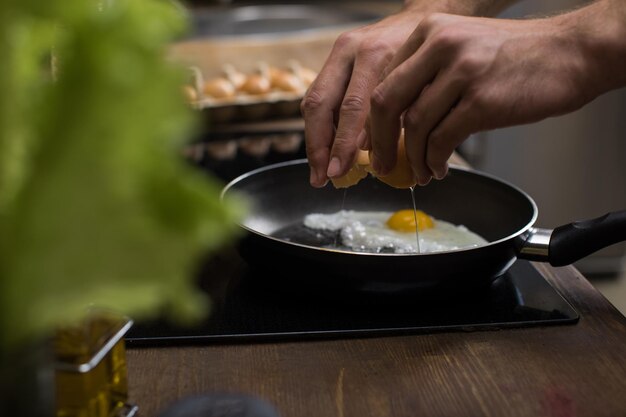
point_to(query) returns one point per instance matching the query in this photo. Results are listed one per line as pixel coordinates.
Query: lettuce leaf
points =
(97, 207)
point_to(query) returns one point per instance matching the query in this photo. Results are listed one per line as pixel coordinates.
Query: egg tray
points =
(246, 106)
(249, 108)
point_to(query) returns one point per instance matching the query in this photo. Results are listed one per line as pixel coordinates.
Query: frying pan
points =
(290, 254)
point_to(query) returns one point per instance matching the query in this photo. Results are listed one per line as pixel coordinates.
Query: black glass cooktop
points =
(245, 309)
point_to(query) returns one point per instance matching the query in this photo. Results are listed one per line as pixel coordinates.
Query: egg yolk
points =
(404, 221)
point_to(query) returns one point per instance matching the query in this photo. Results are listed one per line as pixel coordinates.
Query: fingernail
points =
(334, 168)
(313, 178)
(423, 180)
(317, 179)
(440, 173)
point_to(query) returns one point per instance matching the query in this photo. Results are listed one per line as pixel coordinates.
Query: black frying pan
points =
(503, 214)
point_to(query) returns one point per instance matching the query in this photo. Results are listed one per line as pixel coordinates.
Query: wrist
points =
(599, 32)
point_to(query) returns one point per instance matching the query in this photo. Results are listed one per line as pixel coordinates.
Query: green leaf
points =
(97, 207)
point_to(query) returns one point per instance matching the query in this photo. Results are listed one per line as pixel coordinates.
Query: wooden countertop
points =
(554, 371)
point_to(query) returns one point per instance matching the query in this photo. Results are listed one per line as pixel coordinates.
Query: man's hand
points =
(336, 106)
(459, 75)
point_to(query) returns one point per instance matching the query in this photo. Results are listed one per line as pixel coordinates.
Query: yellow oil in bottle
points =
(91, 373)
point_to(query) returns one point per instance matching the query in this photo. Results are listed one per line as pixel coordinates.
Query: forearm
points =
(598, 31)
(462, 7)
(609, 46)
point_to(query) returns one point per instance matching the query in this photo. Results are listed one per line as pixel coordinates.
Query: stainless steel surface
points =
(537, 244)
(272, 20)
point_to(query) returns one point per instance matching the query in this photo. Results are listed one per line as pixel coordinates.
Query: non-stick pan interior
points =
(281, 197)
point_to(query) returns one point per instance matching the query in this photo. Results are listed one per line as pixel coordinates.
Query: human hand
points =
(459, 75)
(336, 105)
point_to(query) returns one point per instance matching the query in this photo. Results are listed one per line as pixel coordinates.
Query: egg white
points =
(367, 231)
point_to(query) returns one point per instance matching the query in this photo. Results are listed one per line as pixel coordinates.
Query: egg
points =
(219, 88)
(406, 221)
(400, 176)
(285, 80)
(236, 77)
(356, 173)
(256, 84)
(306, 75)
(190, 93)
(394, 232)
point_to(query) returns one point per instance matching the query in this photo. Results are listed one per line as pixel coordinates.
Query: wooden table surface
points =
(554, 371)
(569, 370)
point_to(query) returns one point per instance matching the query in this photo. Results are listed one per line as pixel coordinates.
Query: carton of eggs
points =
(265, 93)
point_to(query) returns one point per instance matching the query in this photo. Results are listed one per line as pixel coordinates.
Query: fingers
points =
(422, 116)
(425, 81)
(389, 101)
(406, 50)
(439, 145)
(455, 128)
(387, 124)
(361, 140)
(366, 143)
(370, 61)
(318, 108)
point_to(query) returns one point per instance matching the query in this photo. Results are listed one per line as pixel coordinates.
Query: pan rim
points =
(468, 170)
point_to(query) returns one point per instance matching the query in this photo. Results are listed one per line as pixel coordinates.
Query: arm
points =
(336, 106)
(457, 75)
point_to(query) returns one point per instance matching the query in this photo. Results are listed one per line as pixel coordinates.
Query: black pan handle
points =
(576, 240)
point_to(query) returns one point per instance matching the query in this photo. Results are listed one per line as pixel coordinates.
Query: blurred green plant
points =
(97, 207)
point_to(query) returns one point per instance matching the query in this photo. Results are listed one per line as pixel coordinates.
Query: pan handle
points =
(571, 242)
(574, 241)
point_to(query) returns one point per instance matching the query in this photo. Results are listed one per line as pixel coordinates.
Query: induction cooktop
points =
(246, 308)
